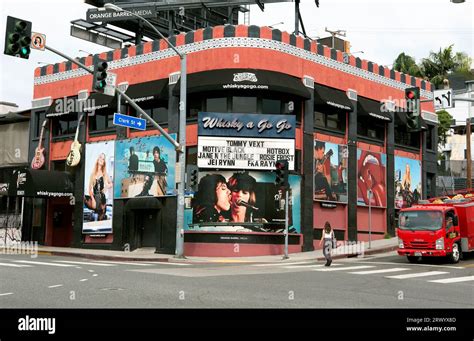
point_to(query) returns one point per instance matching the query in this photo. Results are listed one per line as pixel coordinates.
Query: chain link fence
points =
(452, 177)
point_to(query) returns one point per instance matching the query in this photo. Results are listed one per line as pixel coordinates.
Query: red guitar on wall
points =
(38, 159)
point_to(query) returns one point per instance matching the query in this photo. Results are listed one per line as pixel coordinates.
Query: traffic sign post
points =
(129, 121)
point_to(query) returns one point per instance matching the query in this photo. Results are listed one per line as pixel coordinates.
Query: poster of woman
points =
(145, 167)
(407, 182)
(371, 183)
(98, 188)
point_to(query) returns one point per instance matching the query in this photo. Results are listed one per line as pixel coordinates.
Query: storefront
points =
(255, 95)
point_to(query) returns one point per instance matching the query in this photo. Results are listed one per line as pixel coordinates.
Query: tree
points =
(445, 120)
(407, 64)
(437, 66)
(463, 62)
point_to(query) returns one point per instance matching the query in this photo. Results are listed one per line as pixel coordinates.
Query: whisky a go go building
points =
(255, 95)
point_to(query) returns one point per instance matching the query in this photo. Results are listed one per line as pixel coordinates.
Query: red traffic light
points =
(411, 94)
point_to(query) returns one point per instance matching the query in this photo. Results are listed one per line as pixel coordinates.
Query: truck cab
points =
(430, 230)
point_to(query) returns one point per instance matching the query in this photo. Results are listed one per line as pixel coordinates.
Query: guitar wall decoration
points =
(38, 159)
(74, 156)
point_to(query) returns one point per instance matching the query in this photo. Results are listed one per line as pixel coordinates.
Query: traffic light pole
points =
(286, 224)
(129, 100)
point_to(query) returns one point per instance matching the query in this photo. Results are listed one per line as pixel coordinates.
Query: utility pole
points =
(341, 33)
(470, 87)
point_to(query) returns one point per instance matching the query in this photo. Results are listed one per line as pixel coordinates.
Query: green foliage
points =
(445, 119)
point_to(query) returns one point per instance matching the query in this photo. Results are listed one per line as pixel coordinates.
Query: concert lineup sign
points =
(145, 167)
(243, 201)
(98, 188)
(407, 182)
(330, 172)
(245, 141)
(371, 175)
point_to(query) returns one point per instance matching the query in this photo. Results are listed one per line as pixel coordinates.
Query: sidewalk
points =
(149, 255)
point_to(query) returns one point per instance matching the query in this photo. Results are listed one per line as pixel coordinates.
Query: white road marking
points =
(409, 264)
(55, 286)
(43, 263)
(15, 265)
(95, 275)
(6, 294)
(381, 271)
(345, 268)
(307, 266)
(281, 264)
(91, 271)
(167, 263)
(125, 263)
(84, 279)
(454, 280)
(83, 263)
(418, 274)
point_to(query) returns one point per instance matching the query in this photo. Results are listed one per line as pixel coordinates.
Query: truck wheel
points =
(413, 259)
(455, 255)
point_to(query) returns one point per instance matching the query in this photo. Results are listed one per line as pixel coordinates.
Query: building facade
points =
(255, 95)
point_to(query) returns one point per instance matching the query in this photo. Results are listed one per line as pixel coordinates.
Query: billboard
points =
(371, 175)
(144, 167)
(330, 172)
(407, 182)
(245, 141)
(236, 201)
(98, 188)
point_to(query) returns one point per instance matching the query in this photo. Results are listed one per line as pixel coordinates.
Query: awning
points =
(40, 183)
(330, 97)
(373, 109)
(401, 119)
(63, 106)
(244, 80)
(148, 91)
(97, 101)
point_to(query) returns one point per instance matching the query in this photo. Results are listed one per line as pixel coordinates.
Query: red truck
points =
(436, 228)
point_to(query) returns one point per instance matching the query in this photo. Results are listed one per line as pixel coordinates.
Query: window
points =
(371, 128)
(216, 104)
(244, 104)
(65, 125)
(39, 119)
(332, 121)
(102, 120)
(404, 138)
(271, 106)
(429, 138)
(195, 105)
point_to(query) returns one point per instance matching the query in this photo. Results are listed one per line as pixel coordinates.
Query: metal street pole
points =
(369, 195)
(182, 134)
(286, 225)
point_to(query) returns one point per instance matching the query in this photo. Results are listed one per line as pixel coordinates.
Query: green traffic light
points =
(24, 51)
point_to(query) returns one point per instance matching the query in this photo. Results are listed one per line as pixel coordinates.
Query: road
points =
(382, 281)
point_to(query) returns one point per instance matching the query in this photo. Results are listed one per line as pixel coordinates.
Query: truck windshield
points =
(421, 220)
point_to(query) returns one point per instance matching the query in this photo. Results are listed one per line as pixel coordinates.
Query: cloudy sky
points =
(380, 28)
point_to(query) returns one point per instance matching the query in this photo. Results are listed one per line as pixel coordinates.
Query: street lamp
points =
(181, 149)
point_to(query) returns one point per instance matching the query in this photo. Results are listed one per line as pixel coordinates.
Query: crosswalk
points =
(13, 263)
(384, 269)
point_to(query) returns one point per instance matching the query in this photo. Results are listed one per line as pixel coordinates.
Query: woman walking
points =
(327, 237)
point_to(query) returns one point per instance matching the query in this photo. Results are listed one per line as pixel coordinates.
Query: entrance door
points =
(147, 228)
(62, 225)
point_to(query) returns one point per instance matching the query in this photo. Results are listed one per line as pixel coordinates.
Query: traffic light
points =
(192, 177)
(100, 75)
(412, 98)
(281, 173)
(18, 38)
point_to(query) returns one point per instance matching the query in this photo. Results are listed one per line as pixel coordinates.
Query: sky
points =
(382, 29)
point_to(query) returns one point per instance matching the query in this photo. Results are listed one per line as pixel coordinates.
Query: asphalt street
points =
(381, 281)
